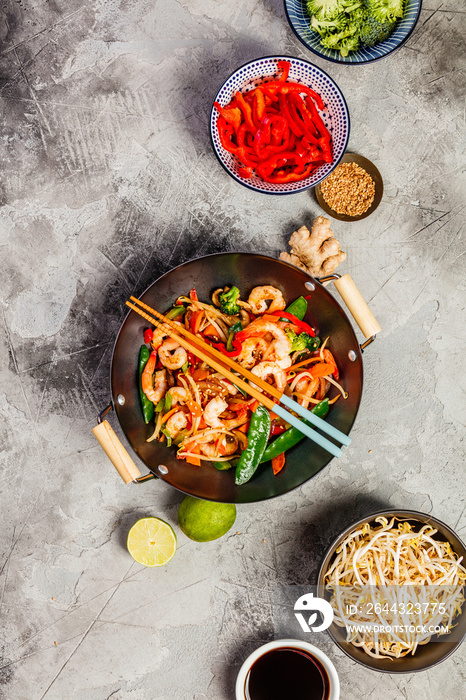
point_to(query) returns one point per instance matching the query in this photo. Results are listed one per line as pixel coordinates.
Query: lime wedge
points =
(151, 542)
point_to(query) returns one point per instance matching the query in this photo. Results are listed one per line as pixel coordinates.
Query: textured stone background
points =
(107, 180)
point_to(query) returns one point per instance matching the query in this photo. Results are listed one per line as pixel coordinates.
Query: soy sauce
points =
(287, 674)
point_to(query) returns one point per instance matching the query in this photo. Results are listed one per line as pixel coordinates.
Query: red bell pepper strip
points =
(279, 128)
(245, 173)
(193, 295)
(324, 144)
(316, 118)
(262, 138)
(195, 321)
(258, 106)
(222, 348)
(283, 177)
(286, 88)
(302, 325)
(266, 168)
(277, 429)
(232, 115)
(246, 157)
(284, 67)
(298, 107)
(295, 128)
(225, 132)
(148, 335)
(192, 359)
(246, 110)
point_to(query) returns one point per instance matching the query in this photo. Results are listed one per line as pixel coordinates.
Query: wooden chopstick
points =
(292, 405)
(238, 381)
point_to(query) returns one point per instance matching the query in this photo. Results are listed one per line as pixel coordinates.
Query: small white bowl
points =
(334, 693)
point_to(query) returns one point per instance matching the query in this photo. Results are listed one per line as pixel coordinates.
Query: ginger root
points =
(316, 251)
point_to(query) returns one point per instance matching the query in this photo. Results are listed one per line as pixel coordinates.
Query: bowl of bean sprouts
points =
(396, 584)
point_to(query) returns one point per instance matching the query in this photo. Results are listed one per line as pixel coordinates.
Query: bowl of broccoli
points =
(353, 31)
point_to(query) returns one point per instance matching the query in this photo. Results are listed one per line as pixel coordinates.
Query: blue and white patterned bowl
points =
(335, 117)
(300, 23)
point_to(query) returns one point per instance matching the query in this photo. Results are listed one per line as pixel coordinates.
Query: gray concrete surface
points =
(107, 180)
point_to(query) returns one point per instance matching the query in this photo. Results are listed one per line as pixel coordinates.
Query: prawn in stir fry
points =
(205, 415)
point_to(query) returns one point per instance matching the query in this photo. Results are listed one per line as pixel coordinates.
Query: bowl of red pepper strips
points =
(279, 125)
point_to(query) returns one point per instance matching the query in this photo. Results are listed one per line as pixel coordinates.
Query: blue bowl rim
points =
(279, 58)
(353, 63)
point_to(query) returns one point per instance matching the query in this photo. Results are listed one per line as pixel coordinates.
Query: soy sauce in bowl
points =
(287, 674)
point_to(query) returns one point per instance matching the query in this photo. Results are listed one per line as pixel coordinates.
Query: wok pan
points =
(245, 271)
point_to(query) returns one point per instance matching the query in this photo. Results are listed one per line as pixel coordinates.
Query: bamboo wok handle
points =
(116, 452)
(357, 306)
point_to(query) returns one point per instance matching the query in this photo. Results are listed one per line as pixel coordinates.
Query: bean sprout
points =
(427, 577)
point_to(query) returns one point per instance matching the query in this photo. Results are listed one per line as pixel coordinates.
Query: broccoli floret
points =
(324, 27)
(324, 9)
(350, 6)
(303, 341)
(351, 43)
(359, 16)
(333, 41)
(344, 24)
(385, 10)
(373, 31)
(228, 303)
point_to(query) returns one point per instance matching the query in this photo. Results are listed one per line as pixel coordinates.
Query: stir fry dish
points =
(209, 418)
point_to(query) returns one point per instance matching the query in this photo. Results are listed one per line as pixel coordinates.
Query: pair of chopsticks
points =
(215, 359)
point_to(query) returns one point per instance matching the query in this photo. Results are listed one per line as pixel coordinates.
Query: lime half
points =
(151, 542)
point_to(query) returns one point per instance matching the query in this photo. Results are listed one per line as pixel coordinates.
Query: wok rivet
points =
(310, 285)
(162, 469)
(352, 356)
(121, 399)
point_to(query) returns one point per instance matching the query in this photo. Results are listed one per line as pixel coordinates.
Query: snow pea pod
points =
(146, 404)
(292, 436)
(298, 308)
(258, 435)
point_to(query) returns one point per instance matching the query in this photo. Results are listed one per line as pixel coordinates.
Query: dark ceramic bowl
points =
(426, 655)
(300, 20)
(370, 168)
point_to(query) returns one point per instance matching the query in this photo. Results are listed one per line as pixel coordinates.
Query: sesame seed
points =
(349, 190)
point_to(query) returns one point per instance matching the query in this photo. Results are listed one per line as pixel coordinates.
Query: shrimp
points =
(179, 395)
(251, 351)
(161, 333)
(307, 387)
(220, 445)
(285, 362)
(176, 423)
(267, 369)
(259, 297)
(172, 355)
(212, 411)
(259, 328)
(154, 386)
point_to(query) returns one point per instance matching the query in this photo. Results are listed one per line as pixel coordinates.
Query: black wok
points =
(245, 271)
